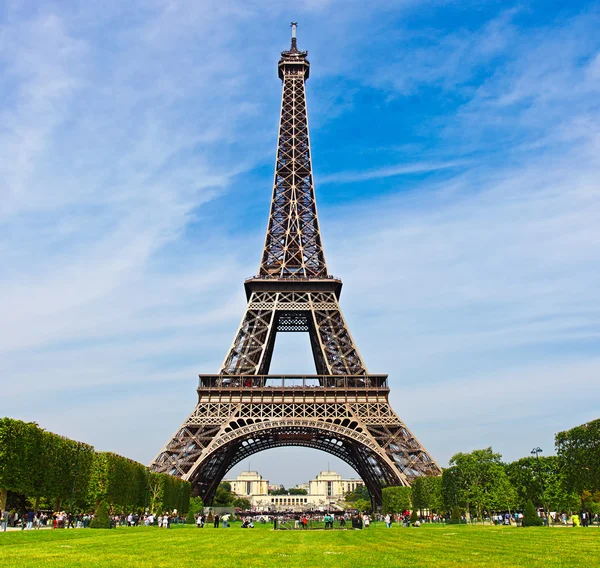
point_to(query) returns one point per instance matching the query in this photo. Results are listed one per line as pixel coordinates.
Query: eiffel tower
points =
(343, 409)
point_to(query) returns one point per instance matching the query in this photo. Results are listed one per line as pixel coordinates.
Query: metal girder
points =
(318, 313)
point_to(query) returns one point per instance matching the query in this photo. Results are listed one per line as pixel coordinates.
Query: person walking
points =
(216, 521)
(4, 518)
(388, 521)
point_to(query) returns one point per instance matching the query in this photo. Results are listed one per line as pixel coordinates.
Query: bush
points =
(531, 518)
(101, 519)
(414, 517)
(455, 517)
(190, 519)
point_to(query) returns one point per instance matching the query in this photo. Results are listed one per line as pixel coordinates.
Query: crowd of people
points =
(32, 520)
(62, 520)
(37, 519)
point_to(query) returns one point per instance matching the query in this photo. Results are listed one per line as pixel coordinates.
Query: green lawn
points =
(378, 547)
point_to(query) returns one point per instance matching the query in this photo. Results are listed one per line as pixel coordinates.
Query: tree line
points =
(480, 482)
(42, 470)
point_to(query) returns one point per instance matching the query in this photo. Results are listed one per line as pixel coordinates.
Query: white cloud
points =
(390, 171)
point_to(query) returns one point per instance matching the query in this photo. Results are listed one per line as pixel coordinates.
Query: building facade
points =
(249, 484)
(325, 492)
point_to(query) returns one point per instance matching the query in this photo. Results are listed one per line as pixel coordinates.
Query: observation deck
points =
(295, 284)
(293, 383)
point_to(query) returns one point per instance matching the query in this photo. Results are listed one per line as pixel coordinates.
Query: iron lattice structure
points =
(343, 409)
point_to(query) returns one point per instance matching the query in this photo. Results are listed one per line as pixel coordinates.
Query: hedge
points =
(65, 473)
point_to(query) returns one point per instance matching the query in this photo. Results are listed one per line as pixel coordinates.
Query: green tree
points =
(19, 455)
(242, 503)
(455, 517)
(223, 495)
(427, 494)
(362, 505)
(101, 519)
(297, 491)
(44, 467)
(196, 505)
(360, 492)
(479, 481)
(543, 481)
(578, 452)
(530, 516)
(396, 499)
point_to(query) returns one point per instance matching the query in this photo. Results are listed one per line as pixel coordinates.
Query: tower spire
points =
(293, 247)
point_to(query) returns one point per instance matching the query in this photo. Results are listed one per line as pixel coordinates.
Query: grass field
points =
(188, 546)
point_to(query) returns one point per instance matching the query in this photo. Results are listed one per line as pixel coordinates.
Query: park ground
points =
(185, 546)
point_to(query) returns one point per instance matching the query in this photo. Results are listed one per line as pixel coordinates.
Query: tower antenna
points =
(294, 26)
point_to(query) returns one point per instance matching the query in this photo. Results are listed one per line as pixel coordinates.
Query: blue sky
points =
(456, 154)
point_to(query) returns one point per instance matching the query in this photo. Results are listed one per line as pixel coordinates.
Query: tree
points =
(530, 516)
(242, 503)
(101, 519)
(297, 491)
(478, 481)
(396, 499)
(450, 488)
(541, 480)
(362, 505)
(196, 505)
(360, 492)
(223, 495)
(455, 517)
(281, 491)
(578, 452)
(427, 494)
(43, 467)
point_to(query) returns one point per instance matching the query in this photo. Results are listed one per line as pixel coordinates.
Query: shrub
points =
(190, 519)
(531, 518)
(455, 517)
(101, 519)
(414, 517)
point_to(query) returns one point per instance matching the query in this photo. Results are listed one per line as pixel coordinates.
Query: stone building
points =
(249, 484)
(325, 492)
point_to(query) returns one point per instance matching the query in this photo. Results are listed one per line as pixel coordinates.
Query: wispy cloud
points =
(390, 171)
